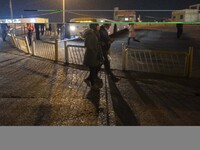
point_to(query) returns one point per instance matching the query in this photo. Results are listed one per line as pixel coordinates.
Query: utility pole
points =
(63, 11)
(11, 11)
(65, 27)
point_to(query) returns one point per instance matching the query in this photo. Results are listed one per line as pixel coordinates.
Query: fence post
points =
(56, 50)
(21, 30)
(124, 57)
(24, 29)
(66, 52)
(13, 39)
(27, 45)
(186, 65)
(17, 43)
(190, 61)
(33, 47)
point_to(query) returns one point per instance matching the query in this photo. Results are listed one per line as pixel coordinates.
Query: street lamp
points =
(65, 27)
(63, 11)
(11, 11)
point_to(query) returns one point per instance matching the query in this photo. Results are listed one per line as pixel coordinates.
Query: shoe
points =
(87, 81)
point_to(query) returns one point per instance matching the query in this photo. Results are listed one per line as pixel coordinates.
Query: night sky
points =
(20, 5)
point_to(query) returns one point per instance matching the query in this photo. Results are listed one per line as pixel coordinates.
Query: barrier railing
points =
(74, 54)
(164, 62)
(20, 42)
(45, 49)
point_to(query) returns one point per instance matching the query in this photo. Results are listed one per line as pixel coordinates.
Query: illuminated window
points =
(126, 19)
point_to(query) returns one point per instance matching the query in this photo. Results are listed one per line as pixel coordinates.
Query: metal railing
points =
(163, 62)
(74, 54)
(20, 43)
(45, 49)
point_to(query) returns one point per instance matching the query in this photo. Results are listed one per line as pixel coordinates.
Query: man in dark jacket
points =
(37, 31)
(179, 30)
(105, 44)
(92, 58)
(4, 28)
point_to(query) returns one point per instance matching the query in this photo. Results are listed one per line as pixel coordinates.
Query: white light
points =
(72, 28)
(17, 21)
(32, 20)
(8, 21)
(126, 19)
(102, 21)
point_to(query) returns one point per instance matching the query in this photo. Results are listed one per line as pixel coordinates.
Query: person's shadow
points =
(125, 116)
(94, 96)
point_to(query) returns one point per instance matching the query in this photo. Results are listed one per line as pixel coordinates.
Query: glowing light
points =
(72, 28)
(32, 20)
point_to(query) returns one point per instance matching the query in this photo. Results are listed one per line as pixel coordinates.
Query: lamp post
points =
(63, 11)
(65, 28)
(11, 11)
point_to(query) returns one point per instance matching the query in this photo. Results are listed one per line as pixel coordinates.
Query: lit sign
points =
(32, 20)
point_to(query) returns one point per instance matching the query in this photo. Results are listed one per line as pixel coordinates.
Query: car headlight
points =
(72, 28)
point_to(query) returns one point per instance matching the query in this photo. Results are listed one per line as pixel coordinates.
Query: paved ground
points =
(35, 91)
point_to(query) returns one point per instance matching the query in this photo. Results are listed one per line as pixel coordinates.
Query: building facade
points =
(124, 15)
(187, 15)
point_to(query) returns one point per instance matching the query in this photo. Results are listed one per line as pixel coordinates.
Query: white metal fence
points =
(45, 49)
(71, 54)
(164, 62)
(74, 54)
(20, 42)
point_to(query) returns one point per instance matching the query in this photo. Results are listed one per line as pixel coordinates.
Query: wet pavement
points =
(35, 92)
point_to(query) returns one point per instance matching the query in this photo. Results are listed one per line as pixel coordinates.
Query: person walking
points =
(30, 29)
(179, 30)
(42, 25)
(93, 58)
(4, 28)
(132, 33)
(105, 45)
(37, 31)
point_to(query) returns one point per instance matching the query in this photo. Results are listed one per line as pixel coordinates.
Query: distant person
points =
(65, 32)
(42, 28)
(93, 58)
(132, 33)
(37, 31)
(30, 29)
(179, 30)
(50, 28)
(105, 45)
(4, 28)
(59, 27)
